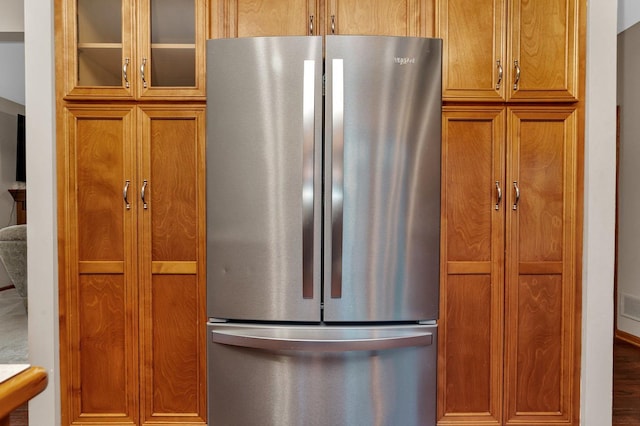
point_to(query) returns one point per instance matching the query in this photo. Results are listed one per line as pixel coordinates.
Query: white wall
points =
(597, 326)
(599, 215)
(12, 16)
(628, 190)
(628, 13)
(44, 410)
(12, 67)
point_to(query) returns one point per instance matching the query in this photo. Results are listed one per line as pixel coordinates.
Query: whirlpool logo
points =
(404, 61)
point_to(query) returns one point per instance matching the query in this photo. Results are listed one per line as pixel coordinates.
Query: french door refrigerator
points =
(323, 223)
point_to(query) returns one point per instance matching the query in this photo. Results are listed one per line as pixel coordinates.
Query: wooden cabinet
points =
(244, 18)
(520, 50)
(510, 251)
(132, 292)
(126, 49)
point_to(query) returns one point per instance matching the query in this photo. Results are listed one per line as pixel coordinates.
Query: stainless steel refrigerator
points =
(323, 226)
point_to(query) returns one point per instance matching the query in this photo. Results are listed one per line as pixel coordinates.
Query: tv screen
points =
(21, 155)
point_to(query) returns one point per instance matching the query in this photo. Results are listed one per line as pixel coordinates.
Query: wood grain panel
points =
(541, 181)
(106, 354)
(175, 342)
(100, 179)
(539, 368)
(271, 18)
(261, 18)
(473, 48)
(374, 17)
(468, 350)
(543, 39)
(171, 192)
(470, 195)
(543, 47)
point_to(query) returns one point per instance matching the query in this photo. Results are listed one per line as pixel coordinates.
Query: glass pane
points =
(173, 21)
(99, 21)
(99, 67)
(173, 67)
(99, 43)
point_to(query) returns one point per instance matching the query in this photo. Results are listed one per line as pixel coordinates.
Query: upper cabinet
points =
(380, 17)
(249, 18)
(519, 50)
(261, 18)
(134, 49)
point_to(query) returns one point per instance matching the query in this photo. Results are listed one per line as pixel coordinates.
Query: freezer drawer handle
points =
(320, 345)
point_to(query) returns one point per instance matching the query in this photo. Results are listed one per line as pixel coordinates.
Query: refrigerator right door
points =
(382, 178)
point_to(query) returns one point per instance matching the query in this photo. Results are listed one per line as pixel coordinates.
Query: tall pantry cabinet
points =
(131, 222)
(509, 337)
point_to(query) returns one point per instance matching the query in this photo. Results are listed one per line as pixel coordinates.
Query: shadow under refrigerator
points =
(323, 230)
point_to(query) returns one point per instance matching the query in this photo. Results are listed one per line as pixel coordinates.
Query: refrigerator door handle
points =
(247, 340)
(308, 123)
(337, 184)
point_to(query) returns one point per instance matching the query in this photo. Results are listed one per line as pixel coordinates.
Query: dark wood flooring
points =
(626, 388)
(626, 384)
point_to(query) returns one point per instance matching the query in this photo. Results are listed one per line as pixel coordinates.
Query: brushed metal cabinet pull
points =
(499, 192)
(125, 73)
(142, 71)
(517, 190)
(500, 73)
(125, 194)
(517, 80)
(311, 25)
(143, 193)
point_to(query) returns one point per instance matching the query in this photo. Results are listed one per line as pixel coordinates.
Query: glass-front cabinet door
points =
(111, 55)
(172, 48)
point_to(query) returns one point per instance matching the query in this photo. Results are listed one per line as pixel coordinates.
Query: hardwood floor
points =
(626, 383)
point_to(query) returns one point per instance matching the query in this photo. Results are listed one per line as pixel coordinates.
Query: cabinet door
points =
(471, 297)
(172, 266)
(253, 18)
(474, 49)
(380, 17)
(98, 280)
(541, 318)
(543, 49)
(171, 52)
(95, 56)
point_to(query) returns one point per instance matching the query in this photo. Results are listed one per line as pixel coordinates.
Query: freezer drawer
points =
(322, 376)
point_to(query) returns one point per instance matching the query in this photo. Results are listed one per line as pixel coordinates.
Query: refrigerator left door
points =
(264, 112)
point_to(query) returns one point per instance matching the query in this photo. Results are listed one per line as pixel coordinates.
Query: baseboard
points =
(629, 338)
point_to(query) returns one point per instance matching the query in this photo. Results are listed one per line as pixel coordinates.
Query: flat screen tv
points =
(21, 156)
